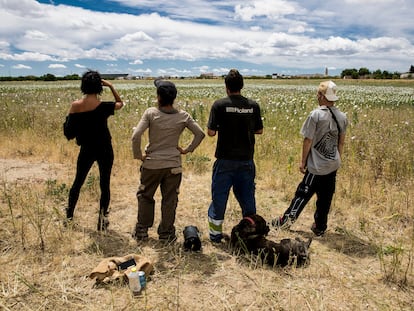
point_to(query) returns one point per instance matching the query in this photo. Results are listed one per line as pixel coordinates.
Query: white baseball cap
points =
(328, 89)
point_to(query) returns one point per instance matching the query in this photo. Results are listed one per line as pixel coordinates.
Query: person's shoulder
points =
(341, 113)
(318, 111)
(222, 101)
(251, 101)
(151, 111)
(185, 115)
(76, 106)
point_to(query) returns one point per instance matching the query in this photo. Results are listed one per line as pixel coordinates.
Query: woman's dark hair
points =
(91, 83)
(234, 81)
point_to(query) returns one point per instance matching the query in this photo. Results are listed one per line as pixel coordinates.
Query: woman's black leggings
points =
(104, 156)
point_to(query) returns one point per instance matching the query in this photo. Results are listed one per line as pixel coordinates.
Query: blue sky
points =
(188, 37)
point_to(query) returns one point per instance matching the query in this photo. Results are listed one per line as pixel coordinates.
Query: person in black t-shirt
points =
(87, 122)
(236, 119)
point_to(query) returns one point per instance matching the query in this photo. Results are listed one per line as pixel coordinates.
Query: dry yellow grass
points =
(345, 272)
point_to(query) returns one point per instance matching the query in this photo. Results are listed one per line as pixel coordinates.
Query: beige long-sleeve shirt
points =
(164, 133)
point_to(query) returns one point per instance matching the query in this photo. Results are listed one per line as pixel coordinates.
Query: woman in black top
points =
(87, 122)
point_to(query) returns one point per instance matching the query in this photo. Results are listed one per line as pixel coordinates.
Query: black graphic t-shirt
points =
(236, 119)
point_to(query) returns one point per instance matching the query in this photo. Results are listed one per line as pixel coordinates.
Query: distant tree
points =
(48, 77)
(71, 77)
(377, 74)
(31, 78)
(396, 75)
(350, 73)
(362, 72)
(411, 69)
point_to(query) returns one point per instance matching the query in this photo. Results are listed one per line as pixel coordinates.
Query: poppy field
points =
(364, 261)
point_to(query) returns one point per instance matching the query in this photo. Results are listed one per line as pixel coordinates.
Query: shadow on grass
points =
(345, 242)
(173, 257)
(109, 243)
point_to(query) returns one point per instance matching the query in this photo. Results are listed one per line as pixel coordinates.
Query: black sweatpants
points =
(324, 187)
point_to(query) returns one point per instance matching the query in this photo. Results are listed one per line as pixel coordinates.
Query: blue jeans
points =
(227, 174)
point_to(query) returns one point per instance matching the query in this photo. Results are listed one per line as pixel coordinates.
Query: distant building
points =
(310, 75)
(407, 75)
(208, 75)
(114, 76)
(282, 76)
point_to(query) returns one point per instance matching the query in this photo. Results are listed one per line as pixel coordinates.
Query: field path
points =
(12, 170)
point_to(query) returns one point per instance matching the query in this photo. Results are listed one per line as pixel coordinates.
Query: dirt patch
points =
(12, 170)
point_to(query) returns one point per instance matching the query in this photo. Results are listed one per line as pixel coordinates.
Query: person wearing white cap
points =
(324, 137)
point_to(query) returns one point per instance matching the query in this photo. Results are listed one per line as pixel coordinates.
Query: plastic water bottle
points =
(134, 282)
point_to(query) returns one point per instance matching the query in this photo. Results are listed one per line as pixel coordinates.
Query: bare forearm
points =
(115, 93)
(307, 144)
(341, 144)
(118, 101)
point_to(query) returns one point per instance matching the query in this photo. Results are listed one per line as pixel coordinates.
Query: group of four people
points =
(236, 120)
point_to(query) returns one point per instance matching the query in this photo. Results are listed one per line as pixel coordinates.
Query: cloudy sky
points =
(190, 37)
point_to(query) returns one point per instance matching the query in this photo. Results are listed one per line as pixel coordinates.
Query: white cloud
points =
(300, 28)
(35, 35)
(255, 28)
(95, 53)
(4, 45)
(202, 69)
(21, 66)
(301, 34)
(221, 70)
(136, 62)
(186, 9)
(174, 71)
(142, 71)
(271, 9)
(135, 38)
(56, 66)
(27, 56)
(79, 66)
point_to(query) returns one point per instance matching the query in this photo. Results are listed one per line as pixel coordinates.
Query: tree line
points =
(46, 77)
(361, 73)
(365, 73)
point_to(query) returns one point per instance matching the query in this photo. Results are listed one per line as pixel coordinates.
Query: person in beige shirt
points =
(161, 160)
